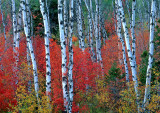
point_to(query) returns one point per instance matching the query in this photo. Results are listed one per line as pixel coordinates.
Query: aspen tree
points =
(114, 15)
(149, 11)
(19, 25)
(30, 47)
(47, 50)
(47, 7)
(119, 33)
(63, 53)
(96, 31)
(91, 41)
(130, 55)
(133, 31)
(92, 16)
(80, 25)
(99, 39)
(77, 19)
(150, 60)
(15, 49)
(70, 69)
(65, 19)
(14, 21)
(104, 33)
(28, 14)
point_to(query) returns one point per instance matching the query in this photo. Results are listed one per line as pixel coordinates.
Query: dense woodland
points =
(79, 56)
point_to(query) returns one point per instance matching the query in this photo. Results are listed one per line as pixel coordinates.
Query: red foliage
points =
(7, 80)
(109, 26)
(84, 70)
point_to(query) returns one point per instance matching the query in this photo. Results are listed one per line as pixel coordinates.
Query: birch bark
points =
(99, 39)
(14, 21)
(65, 19)
(47, 50)
(70, 69)
(77, 18)
(19, 24)
(130, 55)
(30, 47)
(133, 31)
(80, 25)
(93, 57)
(63, 52)
(150, 60)
(122, 41)
(96, 31)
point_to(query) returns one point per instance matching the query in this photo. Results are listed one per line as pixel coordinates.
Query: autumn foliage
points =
(91, 91)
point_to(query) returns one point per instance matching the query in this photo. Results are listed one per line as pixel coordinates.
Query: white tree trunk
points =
(19, 24)
(92, 16)
(114, 15)
(148, 4)
(122, 41)
(133, 31)
(150, 60)
(29, 42)
(15, 50)
(29, 64)
(99, 39)
(130, 55)
(96, 31)
(65, 19)
(14, 21)
(105, 37)
(91, 41)
(46, 38)
(80, 25)
(70, 69)
(63, 51)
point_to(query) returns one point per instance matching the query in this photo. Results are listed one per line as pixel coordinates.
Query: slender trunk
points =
(130, 55)
(114, 15)
(47, 7)
(91, 41)
(105, 37)
(122, 41)
(148, 3)
(15, 49)
(99, 39)
(65, 19)
(14, 21)
(63, 52)
(46, 38)
(28, 14)
(81, 25)
(70, 69)
(29, 64)
(96, 31)
(150, 60)
(92, 16)
(133, 31)
(19, 25)
(78, 30)
(30, 47)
